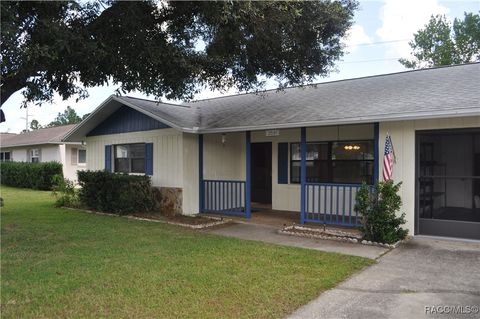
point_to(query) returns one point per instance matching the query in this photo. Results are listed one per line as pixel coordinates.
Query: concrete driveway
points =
(405, 282)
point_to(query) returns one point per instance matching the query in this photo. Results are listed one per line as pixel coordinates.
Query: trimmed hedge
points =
(30, 175)
(115, 193)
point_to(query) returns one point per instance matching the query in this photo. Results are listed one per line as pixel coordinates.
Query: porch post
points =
(376, 146)
(303, 172)
(201, 195)
(248, 173)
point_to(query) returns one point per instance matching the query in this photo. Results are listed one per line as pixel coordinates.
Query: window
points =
(34, 155)
(130, 158)
(5, 157)
(334, 162)
(78, 156)
(82, 156)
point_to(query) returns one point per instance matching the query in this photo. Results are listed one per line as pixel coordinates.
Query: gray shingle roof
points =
(52, 135)
(428, 93)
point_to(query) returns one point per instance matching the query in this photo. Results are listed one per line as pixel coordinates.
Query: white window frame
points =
(78, 157)
(34, 153)
(114, 158)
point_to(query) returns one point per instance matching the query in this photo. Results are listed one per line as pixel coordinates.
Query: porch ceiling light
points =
(224, 139)
(351, 147)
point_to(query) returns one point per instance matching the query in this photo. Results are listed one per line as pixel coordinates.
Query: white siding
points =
(19, 154)
(403, 138)
(190, 174)
(70, 168)
(49, 153)
(224, 161)
(167, 153)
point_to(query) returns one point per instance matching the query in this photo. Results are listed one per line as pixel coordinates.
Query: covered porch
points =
(285, 176)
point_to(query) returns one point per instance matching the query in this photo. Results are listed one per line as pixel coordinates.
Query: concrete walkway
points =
(270, 235)
(422, 273)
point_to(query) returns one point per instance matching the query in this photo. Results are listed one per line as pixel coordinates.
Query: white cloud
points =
(356, 35)
(402, 18)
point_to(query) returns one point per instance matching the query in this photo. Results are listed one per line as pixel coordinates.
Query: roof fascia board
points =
(347, 121)
(35, 144)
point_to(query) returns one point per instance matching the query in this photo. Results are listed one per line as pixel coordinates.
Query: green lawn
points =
(62, 263)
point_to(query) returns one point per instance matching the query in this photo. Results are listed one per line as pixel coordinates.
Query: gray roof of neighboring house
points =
(52, 135)
(427, 93)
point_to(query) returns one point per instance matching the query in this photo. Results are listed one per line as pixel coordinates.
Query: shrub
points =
(30, 175)
(115, 193)
(379, 209)
(65, 192)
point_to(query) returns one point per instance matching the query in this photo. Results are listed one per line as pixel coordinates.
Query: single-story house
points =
(307, 149)
(45, 145)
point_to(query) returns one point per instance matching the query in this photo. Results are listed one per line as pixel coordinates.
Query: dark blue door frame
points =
(248, 175)
(376, 153)
(303, 172)
(201, 195)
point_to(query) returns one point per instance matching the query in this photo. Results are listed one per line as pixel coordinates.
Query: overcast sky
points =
(378, 38)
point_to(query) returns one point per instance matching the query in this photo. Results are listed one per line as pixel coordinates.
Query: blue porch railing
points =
(327, 203)
(224, 197)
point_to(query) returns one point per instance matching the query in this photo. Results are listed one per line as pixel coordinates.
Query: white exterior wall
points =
(190, 174)
(18, 154)
(224, 161)
(287, 196)
(70, 168)
(167, 153)
(403, 138)
(50, 153)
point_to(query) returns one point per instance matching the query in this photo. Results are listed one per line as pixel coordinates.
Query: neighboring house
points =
(45, 145)
(307, 149)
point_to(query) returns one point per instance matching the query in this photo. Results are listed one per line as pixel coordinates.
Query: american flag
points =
(388, 159)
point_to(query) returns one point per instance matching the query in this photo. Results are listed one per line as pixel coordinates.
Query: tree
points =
(167, 48)
(69, 116)
(35, 125)
(443, 43)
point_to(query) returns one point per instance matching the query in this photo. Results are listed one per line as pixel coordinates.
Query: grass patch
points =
(62, 263)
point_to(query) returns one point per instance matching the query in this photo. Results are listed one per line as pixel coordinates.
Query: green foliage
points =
(69, 116)
(166, 48)
(30, 175)
(441, 43)
(379, 209)
(65, 192)
(35, 125)
(115, 193)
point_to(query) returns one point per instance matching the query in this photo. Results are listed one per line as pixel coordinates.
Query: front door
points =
(261, 173)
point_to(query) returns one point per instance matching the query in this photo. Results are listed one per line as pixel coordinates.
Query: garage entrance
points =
(448, 183)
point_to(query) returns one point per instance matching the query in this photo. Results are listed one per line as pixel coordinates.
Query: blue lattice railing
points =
(224, 197)
(327, 203)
